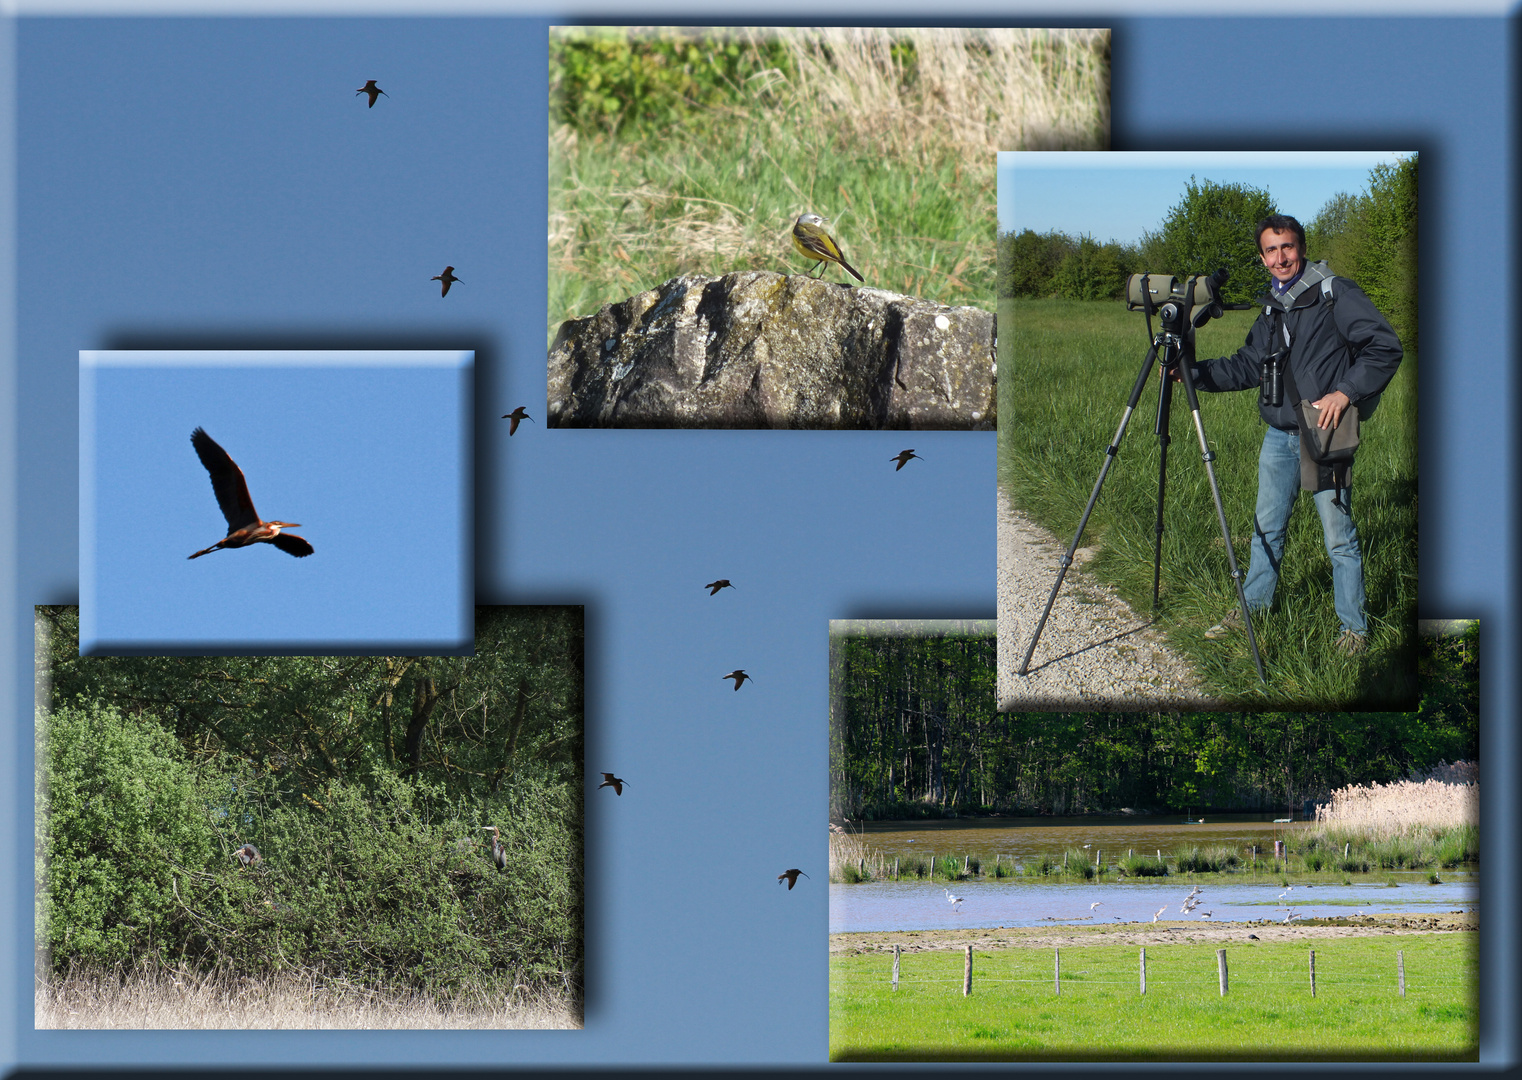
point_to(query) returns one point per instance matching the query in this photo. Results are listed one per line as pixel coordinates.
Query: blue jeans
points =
(1278, 484)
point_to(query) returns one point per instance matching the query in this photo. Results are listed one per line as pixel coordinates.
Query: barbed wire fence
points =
(1247, 971)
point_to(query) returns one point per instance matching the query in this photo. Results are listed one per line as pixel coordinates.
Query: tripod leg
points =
(1164, 414)
(1110, 452)
(1220, 512)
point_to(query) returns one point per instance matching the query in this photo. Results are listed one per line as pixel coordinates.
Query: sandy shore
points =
(1147, 933)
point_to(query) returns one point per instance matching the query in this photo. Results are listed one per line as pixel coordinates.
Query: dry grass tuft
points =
(184, 999)
(1385, 810)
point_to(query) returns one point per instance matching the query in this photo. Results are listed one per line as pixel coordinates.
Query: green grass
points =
(1268, 1012)
(1066, 369)
(895, 146)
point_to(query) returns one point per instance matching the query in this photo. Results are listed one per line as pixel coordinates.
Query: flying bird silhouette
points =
(791, 877)
(713, 588)
(448, 278)
(903, 458)
(243, 524)
(609, 780)
(517, 415)
(371, 89)
(739, 676)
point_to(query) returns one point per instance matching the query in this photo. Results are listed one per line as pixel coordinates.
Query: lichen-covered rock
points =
(764, 350)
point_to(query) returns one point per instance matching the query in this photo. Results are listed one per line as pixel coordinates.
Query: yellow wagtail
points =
(811, 240)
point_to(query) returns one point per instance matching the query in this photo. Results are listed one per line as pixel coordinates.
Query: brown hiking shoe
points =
(1230, 623)
(1351, 642)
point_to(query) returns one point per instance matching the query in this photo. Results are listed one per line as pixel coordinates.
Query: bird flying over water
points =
(1159, 912)
(713, 588)
(791, 877)
(903, 458)
(609, 780)
(448, 278)
(1095, 904)
(739, 676)
(371, 89)
(243, 524)
(517, 415)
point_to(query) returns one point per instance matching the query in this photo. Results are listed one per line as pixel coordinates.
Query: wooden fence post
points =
(1313, 973)
(1220, 960)
(895, 967)
(1057, 971)
(1144, 969)
(1400, 967)
(967, 974)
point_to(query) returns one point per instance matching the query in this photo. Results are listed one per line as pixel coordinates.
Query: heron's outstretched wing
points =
(228, 483)
(292, 545)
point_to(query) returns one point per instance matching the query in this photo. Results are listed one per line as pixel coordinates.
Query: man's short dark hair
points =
(1281, 223)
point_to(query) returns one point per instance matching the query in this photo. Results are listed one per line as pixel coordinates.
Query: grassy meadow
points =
(1066, 371)
(1268, 1012)
(693, 151)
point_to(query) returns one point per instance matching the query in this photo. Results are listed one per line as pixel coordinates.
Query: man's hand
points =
(1331, 408)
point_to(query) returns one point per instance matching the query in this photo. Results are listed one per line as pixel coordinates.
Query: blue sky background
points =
(189, 183)
(1119, 196)
(368, 452)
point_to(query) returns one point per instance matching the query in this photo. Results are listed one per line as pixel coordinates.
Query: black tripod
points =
(1174, 344)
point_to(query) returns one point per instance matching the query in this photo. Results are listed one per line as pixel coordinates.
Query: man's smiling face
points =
(1281, 254)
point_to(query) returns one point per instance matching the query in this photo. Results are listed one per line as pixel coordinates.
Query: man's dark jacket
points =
(1360, 361)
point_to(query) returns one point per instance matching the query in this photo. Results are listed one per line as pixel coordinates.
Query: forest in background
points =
(364, 782)
(915, 733)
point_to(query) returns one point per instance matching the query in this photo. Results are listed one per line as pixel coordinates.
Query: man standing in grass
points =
(1332, 349)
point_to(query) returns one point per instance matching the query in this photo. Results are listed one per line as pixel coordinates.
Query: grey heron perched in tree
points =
(498, 851)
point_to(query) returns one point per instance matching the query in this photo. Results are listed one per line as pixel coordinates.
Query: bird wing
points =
(228, 483)
(292, 545)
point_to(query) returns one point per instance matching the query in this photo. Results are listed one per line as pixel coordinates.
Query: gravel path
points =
(1095, 652)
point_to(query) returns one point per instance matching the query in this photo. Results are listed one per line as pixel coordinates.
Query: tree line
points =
(364, 781)
(1370, 237)
(915, 732)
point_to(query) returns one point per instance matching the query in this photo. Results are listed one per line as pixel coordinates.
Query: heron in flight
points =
(448, 278)
(609, 780)
(518, 415)
(713, 588)
(371, 89)
(247, 854)
(789, 876)
(498, 849)
(243, 524)
(739, 676)
(902, 457)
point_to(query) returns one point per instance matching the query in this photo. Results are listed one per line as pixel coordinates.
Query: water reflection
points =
(920, 905)
(989, 903)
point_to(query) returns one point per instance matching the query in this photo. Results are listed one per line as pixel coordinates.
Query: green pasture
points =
(1268, 1013)
(1066, 369)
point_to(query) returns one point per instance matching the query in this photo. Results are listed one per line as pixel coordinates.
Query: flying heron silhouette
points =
(518, 415)
(791, 877)
(498, 850)
(373, 90)
(738, 675)
(955, 901)
(609, 780)
(713, 588)
(903, 458)
(247, 854)
(243, 524)
(448, 278)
